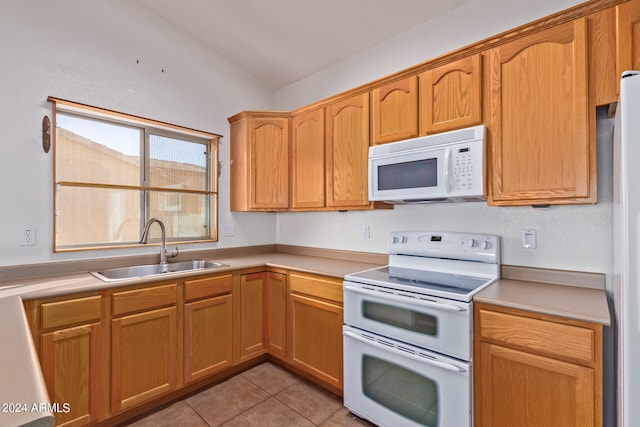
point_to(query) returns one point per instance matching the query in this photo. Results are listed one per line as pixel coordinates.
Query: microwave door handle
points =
(447, 170)
(443, 365)
(405, 300)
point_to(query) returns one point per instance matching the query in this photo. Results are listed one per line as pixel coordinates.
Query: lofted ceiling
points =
(282, 41)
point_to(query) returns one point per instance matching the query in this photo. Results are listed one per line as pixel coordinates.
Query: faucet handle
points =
(171, 254)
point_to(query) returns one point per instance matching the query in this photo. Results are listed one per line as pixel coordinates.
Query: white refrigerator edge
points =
(626, 241)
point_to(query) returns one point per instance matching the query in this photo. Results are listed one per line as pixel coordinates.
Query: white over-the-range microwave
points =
(445, 167)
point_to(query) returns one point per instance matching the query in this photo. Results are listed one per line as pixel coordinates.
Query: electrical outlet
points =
(366, 232)
(28, 236)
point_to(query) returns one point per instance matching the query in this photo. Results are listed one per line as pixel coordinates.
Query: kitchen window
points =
(113, 172)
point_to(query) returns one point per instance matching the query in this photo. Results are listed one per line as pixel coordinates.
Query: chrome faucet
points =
(163, 248)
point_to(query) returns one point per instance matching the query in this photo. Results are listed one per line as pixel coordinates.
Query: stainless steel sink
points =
(122, 273)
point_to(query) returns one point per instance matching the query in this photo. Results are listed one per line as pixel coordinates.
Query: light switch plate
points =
(529, 239)
(229, 230)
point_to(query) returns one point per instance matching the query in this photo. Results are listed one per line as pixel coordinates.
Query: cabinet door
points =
(525, 390)
(70, 365)
(73, 366)
(144, 355)
(451, 96)
(276, 304)
(308, 160)
(317, 338)
(542, 148)
(395, 111)
(347, 152)
(252, 315)
(207, 337)
(270, 163)
(628, 32)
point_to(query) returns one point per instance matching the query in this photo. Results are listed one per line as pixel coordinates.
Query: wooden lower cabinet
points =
(316, 328)
(71, 359)
(144, 350)
(536, 370)
(208, 325)
(251, 316)
(276, 314)
(112, 355)
(523, 389)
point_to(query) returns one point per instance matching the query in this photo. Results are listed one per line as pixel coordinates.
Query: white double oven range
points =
(408, 329)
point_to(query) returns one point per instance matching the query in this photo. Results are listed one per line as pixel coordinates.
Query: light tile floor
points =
(266, 395)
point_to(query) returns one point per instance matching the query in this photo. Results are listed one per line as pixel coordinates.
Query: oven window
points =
(401, 318)
(416, 174)
(401, 390)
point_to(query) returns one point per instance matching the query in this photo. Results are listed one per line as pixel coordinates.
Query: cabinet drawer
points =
(207, 287)
(316, 286)
(65, 313)
(143, 299)
(539, 336)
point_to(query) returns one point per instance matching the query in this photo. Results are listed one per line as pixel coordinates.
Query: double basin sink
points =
(137, 271)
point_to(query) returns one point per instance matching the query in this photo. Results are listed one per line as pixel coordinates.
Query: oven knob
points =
(471, 243)
(395, 240)
(484, 244)
(405, 239)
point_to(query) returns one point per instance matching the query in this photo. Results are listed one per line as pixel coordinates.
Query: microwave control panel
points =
(466, 165)
(462, 169)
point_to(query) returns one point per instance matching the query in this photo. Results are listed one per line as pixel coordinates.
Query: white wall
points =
(88, 52)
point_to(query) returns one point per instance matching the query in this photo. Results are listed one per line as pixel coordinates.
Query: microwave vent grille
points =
(453, 137)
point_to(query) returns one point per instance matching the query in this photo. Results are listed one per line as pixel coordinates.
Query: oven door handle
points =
(406, 300)
(438, 364)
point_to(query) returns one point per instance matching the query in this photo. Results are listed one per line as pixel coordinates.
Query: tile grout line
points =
(197, 413)
(292, 408)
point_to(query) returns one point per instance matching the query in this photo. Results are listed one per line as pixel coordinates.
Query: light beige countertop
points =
(572, 302)
(42, 287)
(23, 396)
(21, 378)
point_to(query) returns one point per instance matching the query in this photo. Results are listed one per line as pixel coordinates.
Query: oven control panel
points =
(453, 245)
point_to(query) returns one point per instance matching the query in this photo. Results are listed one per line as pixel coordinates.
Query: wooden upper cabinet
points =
(395, 111)
(347, 152)
(543, 151)
(603, 76)
(451, 96)
(260, 161)
(308, 160)
(628, 32)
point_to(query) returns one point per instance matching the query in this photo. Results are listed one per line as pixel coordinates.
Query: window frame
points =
(147, 127)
